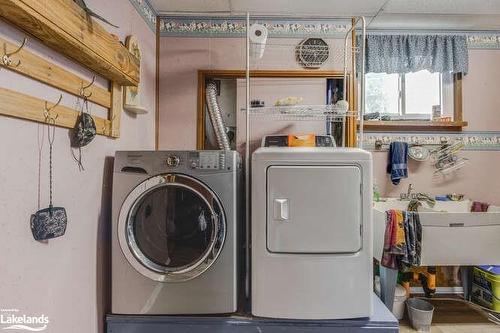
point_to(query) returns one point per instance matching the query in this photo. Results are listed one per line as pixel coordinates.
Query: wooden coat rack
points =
(78, 37)
(15, 104)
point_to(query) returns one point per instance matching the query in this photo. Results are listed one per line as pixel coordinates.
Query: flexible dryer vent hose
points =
(215, 113)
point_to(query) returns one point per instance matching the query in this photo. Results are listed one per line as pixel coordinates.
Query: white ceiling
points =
(382, 14)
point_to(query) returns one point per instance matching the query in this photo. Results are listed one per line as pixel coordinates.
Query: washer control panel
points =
(199, 160)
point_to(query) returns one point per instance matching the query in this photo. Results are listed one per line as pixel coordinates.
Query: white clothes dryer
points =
(311, 233)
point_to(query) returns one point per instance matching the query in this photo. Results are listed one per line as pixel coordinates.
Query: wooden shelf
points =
(63, 26)
(420, 126)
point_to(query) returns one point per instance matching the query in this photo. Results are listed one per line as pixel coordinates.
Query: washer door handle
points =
(281, 209)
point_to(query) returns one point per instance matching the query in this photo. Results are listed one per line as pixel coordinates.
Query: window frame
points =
(456, 124)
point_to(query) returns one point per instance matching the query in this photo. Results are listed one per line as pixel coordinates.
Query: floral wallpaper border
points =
(190, 26)
(473, 141)
(147, 12)
(235, 26)
(484, 41)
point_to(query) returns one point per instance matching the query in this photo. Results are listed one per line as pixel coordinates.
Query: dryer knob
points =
(173, 161)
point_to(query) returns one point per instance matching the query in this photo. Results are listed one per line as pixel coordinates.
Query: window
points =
(410, 96)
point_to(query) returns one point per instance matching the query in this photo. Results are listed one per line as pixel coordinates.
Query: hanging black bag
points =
(85, 130)
(83, 133)
(49, 222)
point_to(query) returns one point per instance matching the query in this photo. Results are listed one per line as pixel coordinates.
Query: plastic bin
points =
(486, 286)
(398, 307)
(420, 313)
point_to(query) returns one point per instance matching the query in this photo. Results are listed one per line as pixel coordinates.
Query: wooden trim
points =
(37, 68)
(236, 73)
(457, 97)
(66, 28)
(399, 126)
(114, 114)
(14, 104)
(200, 114)
(157, 87)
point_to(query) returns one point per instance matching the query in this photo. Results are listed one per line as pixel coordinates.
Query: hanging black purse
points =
(83, 133)
(85, 130)
(49, 222)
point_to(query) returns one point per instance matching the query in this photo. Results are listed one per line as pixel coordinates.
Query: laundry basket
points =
(420, 314)
(486, 286)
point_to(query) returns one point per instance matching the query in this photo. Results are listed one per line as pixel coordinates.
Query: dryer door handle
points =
(281, 209)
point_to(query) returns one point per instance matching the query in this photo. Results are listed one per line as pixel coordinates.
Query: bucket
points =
(420, 314)
(398, 307)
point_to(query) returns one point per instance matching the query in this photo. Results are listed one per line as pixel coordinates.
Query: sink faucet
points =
(408, 194)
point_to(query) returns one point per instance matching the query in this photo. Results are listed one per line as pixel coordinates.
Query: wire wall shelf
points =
(310, 53)
(302, 113)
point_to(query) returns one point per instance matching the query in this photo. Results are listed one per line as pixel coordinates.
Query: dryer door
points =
(314, 209)
(171, 228)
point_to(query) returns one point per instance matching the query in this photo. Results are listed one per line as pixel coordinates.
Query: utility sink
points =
(451, 234)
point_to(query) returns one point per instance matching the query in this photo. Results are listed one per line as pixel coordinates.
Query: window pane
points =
(382, 93)
(422, 92)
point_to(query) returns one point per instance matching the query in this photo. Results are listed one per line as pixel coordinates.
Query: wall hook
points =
(7, 57)
(47, 111)
(82, 91)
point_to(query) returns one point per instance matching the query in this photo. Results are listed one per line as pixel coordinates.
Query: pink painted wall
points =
(67, 278)
(180, 58)
(479, 179)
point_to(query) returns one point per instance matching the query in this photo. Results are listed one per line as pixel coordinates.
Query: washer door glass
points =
(175, 228)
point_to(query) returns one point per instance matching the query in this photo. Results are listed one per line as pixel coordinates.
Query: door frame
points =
(205, 74)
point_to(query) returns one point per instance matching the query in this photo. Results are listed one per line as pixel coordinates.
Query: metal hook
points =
(7, 57)
(82, 91)
(48, 110)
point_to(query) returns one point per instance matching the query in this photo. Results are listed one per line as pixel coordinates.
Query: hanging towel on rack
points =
(394, 239)
(402, 240)
(413, 235)
(478, 207)
(397, 165)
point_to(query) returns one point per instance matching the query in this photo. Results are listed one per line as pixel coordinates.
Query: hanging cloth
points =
(412, 53)
(397, 163)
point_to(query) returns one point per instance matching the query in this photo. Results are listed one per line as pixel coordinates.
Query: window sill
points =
(412, 125)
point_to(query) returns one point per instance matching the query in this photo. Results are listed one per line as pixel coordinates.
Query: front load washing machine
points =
(311, 233)
(174, 234)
